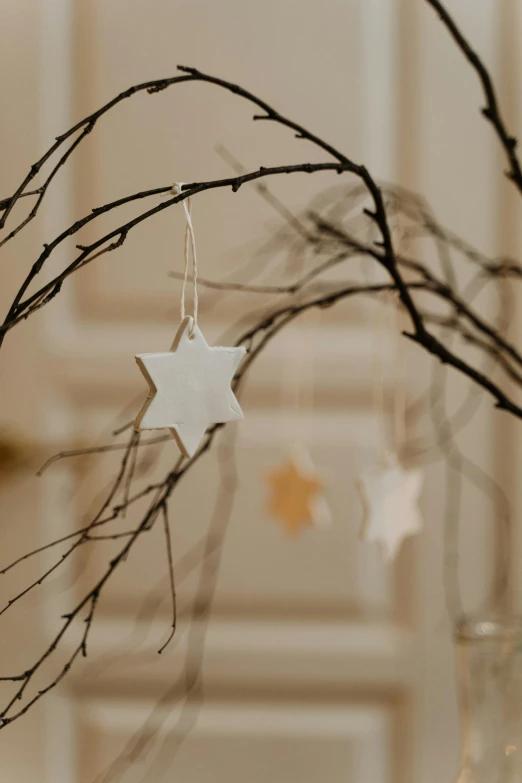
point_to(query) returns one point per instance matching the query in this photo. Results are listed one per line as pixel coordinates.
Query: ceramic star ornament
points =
(296, 498)
(390, 503)
(190, 387)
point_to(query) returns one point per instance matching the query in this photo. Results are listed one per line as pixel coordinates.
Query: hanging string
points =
(298, 394)
(399, 386)
(390, 321)
(190, 244)
(398, 325)
(297, 375)
(290, 376)
(380, 333)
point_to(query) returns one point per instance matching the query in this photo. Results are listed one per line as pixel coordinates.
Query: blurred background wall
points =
(320, 662)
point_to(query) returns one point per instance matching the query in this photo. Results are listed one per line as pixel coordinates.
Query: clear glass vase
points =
(489, 660)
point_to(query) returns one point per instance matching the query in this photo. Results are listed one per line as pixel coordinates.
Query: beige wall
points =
(321, 663)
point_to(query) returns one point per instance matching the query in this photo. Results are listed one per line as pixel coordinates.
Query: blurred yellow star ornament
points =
(296, 498)
(390, 506)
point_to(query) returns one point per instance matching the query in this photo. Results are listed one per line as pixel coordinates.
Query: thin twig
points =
(100, 449)
(491, 110)
(170, 560)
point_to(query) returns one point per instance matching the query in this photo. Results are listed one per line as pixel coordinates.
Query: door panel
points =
(319, 661)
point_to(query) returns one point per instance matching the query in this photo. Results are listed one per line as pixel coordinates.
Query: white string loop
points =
(190, 244)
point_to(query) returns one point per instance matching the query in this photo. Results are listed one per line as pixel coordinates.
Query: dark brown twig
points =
(491, 110)
(170, 560)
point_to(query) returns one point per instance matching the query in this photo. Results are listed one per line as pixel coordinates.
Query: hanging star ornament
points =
(190, 387)
(390, 504)
(296, 494)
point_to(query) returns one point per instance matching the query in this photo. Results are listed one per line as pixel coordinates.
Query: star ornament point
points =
(390, 506)
(189, 387)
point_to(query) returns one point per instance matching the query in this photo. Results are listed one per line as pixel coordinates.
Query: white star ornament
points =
(390, 503)
(189, 387)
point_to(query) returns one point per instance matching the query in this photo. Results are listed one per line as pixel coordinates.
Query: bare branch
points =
(491, 111)
(99, 450)
(170, 561)
(411, 277)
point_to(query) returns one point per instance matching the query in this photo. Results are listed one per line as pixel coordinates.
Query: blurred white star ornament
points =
(390, 502)
(189, 387)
